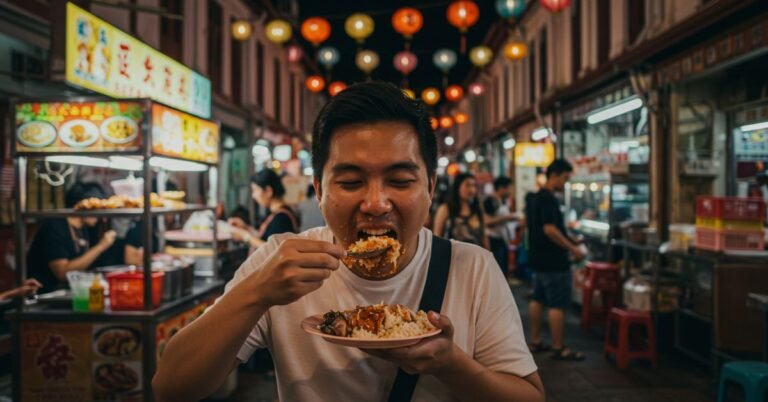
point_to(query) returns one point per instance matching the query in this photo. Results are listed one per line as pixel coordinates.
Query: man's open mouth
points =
(367, 233)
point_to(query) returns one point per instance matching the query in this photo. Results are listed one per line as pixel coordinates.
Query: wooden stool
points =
(605, 278)
(628, 346)
(752, 376)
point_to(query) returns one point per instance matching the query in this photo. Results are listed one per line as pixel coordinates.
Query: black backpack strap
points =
(431, 299)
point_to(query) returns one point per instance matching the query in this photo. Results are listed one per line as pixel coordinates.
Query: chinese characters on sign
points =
(184, 136)
(533, 154)
(105, 59)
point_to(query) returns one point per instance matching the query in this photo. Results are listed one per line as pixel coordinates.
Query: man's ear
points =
(318, 188)
(432, 186)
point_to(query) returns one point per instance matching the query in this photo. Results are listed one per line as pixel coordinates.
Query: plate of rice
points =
(378, 326)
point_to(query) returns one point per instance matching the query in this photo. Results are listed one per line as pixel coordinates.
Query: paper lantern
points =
(430, 96)
(278, 31)
(407, 21)
(315, 30)
(405, 62)
(463, 14)
(461, 118)
(241, 30)
(367, 60)
(434, 123)
(555, 6)
(446, 122)
(328, 56)
(476, 89)
(294, 53)
(480, 55)
(409, 93)
(515, 50)
(359, 26)
(315, 83)
(454, 93)
(510, 8)
(444, 59)
(335, 87)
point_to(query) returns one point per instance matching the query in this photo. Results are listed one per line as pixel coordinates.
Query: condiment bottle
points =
(96, 295)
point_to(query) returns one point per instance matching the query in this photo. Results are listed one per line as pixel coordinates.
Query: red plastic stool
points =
(629, 344)
(605, 278)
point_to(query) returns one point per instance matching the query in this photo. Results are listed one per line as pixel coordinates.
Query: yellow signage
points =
(530, 154)
(181, 135)
(106, 60)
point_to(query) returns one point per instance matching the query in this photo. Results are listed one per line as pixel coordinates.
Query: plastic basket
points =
(719, 240)
(715, 223)
(730, 208)
(126, 290)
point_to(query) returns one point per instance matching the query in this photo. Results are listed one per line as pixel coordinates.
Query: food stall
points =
(67, 355)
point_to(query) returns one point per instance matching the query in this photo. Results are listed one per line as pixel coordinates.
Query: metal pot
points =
(172, 282)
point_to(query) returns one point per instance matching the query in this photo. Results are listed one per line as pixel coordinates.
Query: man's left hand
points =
(430, 356)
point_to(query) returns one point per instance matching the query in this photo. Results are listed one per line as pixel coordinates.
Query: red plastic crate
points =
(719, 240)
(731, 208)
(126, 289)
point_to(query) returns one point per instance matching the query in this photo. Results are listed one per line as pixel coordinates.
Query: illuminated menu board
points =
(529, 154)
(184, 136)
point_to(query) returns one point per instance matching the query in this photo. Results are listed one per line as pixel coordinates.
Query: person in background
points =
(496, 215)
(549, 248)
(267, 190)
(134, 238)
(62, 244)
(460, 218)
(29, 288)
(309, 210)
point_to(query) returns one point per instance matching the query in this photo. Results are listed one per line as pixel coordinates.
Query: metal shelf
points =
(112, 213)
(691, 313)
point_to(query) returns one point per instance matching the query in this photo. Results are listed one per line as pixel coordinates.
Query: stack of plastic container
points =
(729, 223)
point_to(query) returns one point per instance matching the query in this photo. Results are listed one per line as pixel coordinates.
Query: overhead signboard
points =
(181, 135)
(529, 154)
(104, 59)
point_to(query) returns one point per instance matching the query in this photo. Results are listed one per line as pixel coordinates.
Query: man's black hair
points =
(80, 191)
(372, 102)
(559, 166)
(501, 182)
(268, 178)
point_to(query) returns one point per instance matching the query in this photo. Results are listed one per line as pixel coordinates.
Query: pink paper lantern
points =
(476, 89)
(294, 53)
(405, 62)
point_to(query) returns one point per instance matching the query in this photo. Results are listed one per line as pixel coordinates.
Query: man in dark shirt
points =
(549, 248)
(497, 215)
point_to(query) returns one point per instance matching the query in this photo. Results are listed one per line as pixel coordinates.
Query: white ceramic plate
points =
(130, 124)
(79, 133)
(36, 134)
(311, 324)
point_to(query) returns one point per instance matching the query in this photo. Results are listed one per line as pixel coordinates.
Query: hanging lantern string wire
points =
(433, 4)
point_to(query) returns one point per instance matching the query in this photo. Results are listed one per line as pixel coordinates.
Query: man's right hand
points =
(237, 222)
(107, 239)
(578, 253)
(296, 268)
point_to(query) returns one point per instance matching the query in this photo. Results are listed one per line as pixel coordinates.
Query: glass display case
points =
(596, 205)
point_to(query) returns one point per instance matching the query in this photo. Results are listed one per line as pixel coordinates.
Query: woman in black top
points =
(268, 191)
(461, 218)
(62, 245)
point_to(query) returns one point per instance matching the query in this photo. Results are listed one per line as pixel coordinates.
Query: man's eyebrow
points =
(346, 167)
(352, 168)
(402, 166)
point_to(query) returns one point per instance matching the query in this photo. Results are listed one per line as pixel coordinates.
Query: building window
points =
(278, 91)
(636, 16)
(171, 30)
(532, 73)
(603, 31)
(576, 39)
(260, 73)
(215, 42)
(236, 71)
(543, 61)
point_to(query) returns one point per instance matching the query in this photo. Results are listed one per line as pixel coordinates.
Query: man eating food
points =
(374, 156)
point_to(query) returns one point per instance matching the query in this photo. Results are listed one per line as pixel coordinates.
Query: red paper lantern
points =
(463, 14)
(315, 30)
(405, 62)
(434, 123)
(461, 118)
(454, 93)
(335, 87)
(315, 83)
(446, 122)
(407, 21)
(555, 5)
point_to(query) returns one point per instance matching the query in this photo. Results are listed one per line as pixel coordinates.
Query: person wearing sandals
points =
(549, 248)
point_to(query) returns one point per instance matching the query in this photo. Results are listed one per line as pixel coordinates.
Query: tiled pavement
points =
(595, 379)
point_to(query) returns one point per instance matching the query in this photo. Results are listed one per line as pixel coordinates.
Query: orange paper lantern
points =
(407, 21)
(446, 122)
(315, 83)
(316, 30)
(515, 50)
(434, 123)
(335, 87)
(454, 93)
(463, 14)
(461, 118)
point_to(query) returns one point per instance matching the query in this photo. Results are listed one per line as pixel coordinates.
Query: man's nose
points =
(376, 201)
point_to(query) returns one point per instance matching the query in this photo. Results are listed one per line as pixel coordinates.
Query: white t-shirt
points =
(478, 302)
